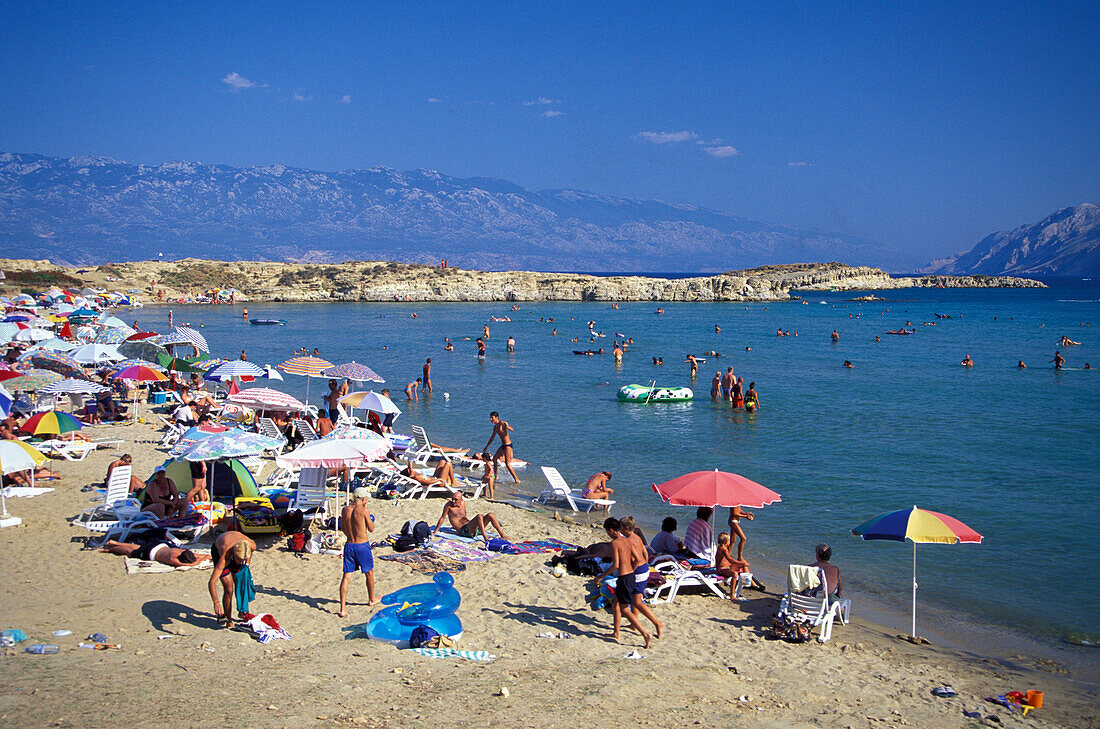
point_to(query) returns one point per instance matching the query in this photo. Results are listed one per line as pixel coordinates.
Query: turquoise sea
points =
(1013, 453)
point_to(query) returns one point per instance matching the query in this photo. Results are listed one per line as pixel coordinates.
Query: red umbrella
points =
(715, 488)
(136, 336)
(9, 374)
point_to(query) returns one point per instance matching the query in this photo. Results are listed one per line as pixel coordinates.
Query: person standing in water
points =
(480, 348)
(427, 375)
(244, 313)
(1058, 360)
(694, 365)
(506, 449)
(737, 396)
(752, 400)
(716, 386)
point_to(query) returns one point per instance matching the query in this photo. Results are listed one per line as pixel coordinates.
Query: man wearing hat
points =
(357, 523)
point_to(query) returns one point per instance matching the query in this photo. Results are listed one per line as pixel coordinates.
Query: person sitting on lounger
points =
(729, 566)
(156, 550)
(455, 512)
(699, 537)
(136, 484)
(445, 472)
(832, 572)
(162, 498)
(666, 541)
(596, 488)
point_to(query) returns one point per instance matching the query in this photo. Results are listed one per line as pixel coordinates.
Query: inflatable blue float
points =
(430, 603)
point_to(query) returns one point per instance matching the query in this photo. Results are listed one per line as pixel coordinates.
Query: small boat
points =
(267, 322)
(645, 394)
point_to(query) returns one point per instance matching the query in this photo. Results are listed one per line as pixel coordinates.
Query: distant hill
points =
(85, 210)
(1066, 243)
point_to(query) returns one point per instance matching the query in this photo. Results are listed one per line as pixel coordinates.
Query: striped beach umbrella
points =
(186, 335)
(267, 399)
(193, 435)
(353, 371)
(139, 373)
(135, 362)
(918, 526)
(73, 386)
(306, 366)
(236, 368)
(54, 422)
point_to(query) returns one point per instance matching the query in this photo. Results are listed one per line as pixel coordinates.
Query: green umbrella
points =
(177, 364)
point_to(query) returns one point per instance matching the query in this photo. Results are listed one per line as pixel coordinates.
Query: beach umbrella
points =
(5, 401)
(72, 386)
(83, 314)
(15, 456)
(58, 362)
(141, 350)
(135, 362)
(264, 398)
(350, 430)
(8, 329)
(335, 453)
(33, 335)
(918, 526)
(9, 374)
(186, 335)
(113, 322)
(715, 488)
(53, 422)
(139, 373)
(111, 336)
(208, 364)
(307, 367)
(176, 364)
(31, 379)
(236, 368)
(370, 400)
(234, 443)
(96, 354)
(353, 371)
(57, 345)
(138, 336)
(272, 373)
(193, 435)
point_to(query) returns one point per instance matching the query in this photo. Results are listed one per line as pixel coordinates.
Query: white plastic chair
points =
(117, 506)
(557, 490)
(677, 577)
(312, 494)
(814, 610)
(422, 450)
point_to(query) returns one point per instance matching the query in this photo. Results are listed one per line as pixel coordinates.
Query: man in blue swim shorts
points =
(357, 523)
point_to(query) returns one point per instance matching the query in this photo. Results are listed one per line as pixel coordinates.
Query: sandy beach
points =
(714, 667)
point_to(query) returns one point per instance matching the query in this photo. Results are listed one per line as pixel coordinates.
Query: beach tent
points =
(226, 480)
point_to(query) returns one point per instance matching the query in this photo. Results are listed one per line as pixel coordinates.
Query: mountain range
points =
(83, 210)
(1066, 243)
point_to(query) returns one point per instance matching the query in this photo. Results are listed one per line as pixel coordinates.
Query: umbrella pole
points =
(913, 632)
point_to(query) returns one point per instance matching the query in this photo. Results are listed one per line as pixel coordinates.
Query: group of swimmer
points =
(731, 389)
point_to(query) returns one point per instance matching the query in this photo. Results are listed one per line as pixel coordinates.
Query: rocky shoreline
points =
(387, 281)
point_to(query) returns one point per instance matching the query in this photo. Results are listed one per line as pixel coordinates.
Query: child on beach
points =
(488, 477)
(626, 558)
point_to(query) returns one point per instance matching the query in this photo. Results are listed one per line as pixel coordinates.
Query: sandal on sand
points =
(944, 692)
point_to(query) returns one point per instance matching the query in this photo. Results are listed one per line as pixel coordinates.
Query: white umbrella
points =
(57, 345)
(371, 400)
(33, 335)
(348, 452)
(96, 353)
(15, 456)
(272, 373)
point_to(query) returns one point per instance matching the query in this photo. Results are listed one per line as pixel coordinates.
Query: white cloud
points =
(541, 101)
(236, 82)
(552, 112)
(433, 100)
(345, 99)
(800, 164)
(722, 150)
(667, 137)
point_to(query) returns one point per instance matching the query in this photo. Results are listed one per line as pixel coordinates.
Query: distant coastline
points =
(199, 280)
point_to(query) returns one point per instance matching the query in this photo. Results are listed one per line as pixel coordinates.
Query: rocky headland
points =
(383, 281)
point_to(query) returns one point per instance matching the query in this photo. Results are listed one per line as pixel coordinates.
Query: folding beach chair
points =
(814, 608)
(70, 450)
(117, 506)
(557, 490)
(306, 431)
(267, 427)
(312, 494)
(678, 577)
(422, 450)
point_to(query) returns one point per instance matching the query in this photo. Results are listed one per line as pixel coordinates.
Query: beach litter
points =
(39, 649)
(12, 636)
(558, 636)
(61, 633)
(634, 656)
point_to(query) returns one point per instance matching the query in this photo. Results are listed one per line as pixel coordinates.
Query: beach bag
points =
(292, 521)
(299, 541)
(405, 541)
(421, 635)
(422, 533)
(496, 544)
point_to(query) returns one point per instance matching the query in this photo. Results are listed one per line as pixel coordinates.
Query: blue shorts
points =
(358, 557)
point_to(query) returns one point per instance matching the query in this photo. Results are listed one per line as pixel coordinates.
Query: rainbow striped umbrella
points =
(306, 366)
(916, 525)
(54, 422)
(139, 373)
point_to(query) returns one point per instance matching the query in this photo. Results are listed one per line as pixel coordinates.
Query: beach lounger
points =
(267, 427)
(306, 431)
(312, 494)
(678, 577)
(557, 490)
(117, 506)
(172, 431)
(70, 450)
(422, 450)
(814, 608)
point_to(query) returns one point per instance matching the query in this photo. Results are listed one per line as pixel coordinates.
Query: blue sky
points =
(921, 126)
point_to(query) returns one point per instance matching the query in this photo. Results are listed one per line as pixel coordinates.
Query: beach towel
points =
(449, 533)
(245, 591)
(135, 566)
(540, 547)
(802, 577)
(461, 552)
(263, 627)
(27, 492)
(424, 562)
(455, 653)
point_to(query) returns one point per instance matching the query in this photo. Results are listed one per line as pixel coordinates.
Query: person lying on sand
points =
(156, 550)
(454, 511)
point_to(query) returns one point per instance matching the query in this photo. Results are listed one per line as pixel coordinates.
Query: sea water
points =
(1011, 452)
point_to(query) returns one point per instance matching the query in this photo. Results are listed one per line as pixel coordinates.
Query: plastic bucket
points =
(1035, 698)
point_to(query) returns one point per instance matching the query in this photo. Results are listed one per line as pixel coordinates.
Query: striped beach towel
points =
(455, 653)
(540, 547)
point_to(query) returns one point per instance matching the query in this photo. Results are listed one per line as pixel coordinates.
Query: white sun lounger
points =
(117, 506)
(557, 490)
